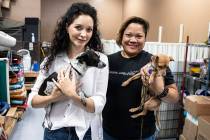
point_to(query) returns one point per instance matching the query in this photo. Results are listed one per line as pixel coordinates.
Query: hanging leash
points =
(144, 91)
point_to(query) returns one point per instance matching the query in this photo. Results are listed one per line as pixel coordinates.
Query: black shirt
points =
(117, 120)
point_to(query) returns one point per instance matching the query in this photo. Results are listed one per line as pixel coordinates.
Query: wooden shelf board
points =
(11, 119)
(30, 74)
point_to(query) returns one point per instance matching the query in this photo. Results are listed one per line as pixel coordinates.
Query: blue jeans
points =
(66, 133)
(106, 136)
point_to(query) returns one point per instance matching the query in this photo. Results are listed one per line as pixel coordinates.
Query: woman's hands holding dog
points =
(155, 82)
(145, 75)
(66, 85)
(57, 94)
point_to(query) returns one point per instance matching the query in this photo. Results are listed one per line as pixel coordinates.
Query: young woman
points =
(68, 115)
(117, 121)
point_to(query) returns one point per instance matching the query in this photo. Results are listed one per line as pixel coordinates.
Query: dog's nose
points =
(101, 64)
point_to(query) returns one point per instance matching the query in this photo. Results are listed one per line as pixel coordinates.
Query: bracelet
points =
(163, 94)
(83, 101)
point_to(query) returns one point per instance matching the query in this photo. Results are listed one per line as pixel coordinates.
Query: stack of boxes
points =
(197, 121)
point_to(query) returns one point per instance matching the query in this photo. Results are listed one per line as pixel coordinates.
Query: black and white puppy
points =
(87, 59)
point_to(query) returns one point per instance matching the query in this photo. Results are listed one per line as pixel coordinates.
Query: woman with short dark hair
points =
(117, 121)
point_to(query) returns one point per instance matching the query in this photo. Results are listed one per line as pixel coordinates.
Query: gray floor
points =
(30, 127)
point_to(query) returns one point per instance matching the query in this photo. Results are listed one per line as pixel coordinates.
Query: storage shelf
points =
(30, 74)
(198, 79)
(10, 120)
(30, 78)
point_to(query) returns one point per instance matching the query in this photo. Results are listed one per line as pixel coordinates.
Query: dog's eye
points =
(162, 67)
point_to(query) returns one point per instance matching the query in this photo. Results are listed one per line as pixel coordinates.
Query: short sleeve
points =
(41, 77)
(99, 97)
(169, 78)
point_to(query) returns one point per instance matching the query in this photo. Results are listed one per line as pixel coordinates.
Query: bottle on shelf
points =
(35, 66)
(26, 59)
(32, 38)
(31, 45)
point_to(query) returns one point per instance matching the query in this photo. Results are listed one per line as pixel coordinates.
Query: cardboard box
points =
(2, 119)
(197, 105)
(181, 137)
(204, 128)
(190, 130)
(202, 136)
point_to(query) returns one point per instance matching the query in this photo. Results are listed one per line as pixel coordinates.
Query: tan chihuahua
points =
(149, 101)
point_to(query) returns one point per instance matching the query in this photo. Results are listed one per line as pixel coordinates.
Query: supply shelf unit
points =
(16, 112)
(192, 85)
(19, 33)
(171, 114)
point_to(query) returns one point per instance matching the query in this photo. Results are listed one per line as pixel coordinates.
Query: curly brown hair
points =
(61, 41)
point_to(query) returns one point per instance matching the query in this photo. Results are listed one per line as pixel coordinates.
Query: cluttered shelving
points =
(13, 94)
(22, 38)
(30, 77)
(195, 97)
(177, 50)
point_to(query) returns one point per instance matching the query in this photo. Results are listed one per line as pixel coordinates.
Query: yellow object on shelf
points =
(195, 69)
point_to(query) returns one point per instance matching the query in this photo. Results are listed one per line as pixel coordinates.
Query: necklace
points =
(125, 55)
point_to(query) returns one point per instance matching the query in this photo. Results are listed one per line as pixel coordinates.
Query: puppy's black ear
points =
(82, 57)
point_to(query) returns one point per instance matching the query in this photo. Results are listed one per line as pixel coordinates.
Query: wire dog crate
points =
(169, 121)
(170, 115)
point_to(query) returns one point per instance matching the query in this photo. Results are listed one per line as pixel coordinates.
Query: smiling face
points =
(133, 40)
(80, 31)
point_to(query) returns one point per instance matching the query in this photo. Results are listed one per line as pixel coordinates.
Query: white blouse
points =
(66, 113)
